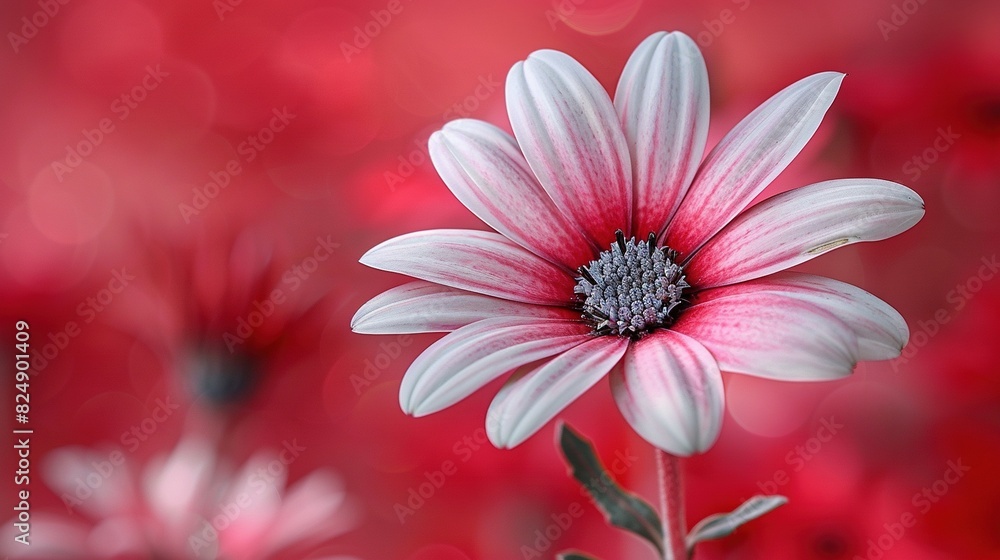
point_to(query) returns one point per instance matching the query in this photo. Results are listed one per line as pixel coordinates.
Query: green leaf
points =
(622, 509)
(574, 555)
(723, 524)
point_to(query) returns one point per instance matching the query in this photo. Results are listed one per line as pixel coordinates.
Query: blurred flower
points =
(230, 308)
(186, 505)
(663, 315)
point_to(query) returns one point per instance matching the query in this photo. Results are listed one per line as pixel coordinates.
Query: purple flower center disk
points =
(631, 288)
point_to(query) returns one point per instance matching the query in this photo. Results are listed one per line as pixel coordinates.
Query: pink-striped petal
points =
(662, 100)
(670, 391)
(772, 336)
(749, 158)
(531, 398)
(465, 360)
(569, 133)
(882, 333)
(418, 307)
(798, 225)
(484, 168)
(479, 261)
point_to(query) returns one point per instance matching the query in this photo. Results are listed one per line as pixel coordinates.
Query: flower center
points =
(631, 288)
(222, 377)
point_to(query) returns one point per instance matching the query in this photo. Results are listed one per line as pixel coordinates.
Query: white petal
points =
(795, 226)
(63, 467)
(465, 360)
(484, 168)
(662, 100)
(313, 510)
(567, 128)
(533, 397)
(749, 158)
(772, 336)
(882, 333)
(479, 261)
(670, 391)
(174, 483)
(418, 307)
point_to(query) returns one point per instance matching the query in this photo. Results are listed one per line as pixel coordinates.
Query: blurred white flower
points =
(187, 504)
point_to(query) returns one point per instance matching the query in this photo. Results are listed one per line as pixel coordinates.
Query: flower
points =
(622, 251)
(187, 505)
(229, 310)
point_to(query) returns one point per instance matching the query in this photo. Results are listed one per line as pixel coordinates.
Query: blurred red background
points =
(190, 184)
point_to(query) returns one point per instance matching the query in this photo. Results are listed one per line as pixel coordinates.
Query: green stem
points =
(671, 506)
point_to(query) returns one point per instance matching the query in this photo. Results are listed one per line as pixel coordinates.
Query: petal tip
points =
(833, 75)
(708, 439)
(836, 79)
(497, 437)
(681, 445)
(828, 83)
(502, 443)
(516, 437)
(371, 255)
(547, 55)
(456, 126)
(421, 408)
(682, 39)
(436, 141)
(404, 405)
(358, 320)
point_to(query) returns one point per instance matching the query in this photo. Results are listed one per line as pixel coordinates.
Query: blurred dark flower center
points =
(222, 377)
(631, 288)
